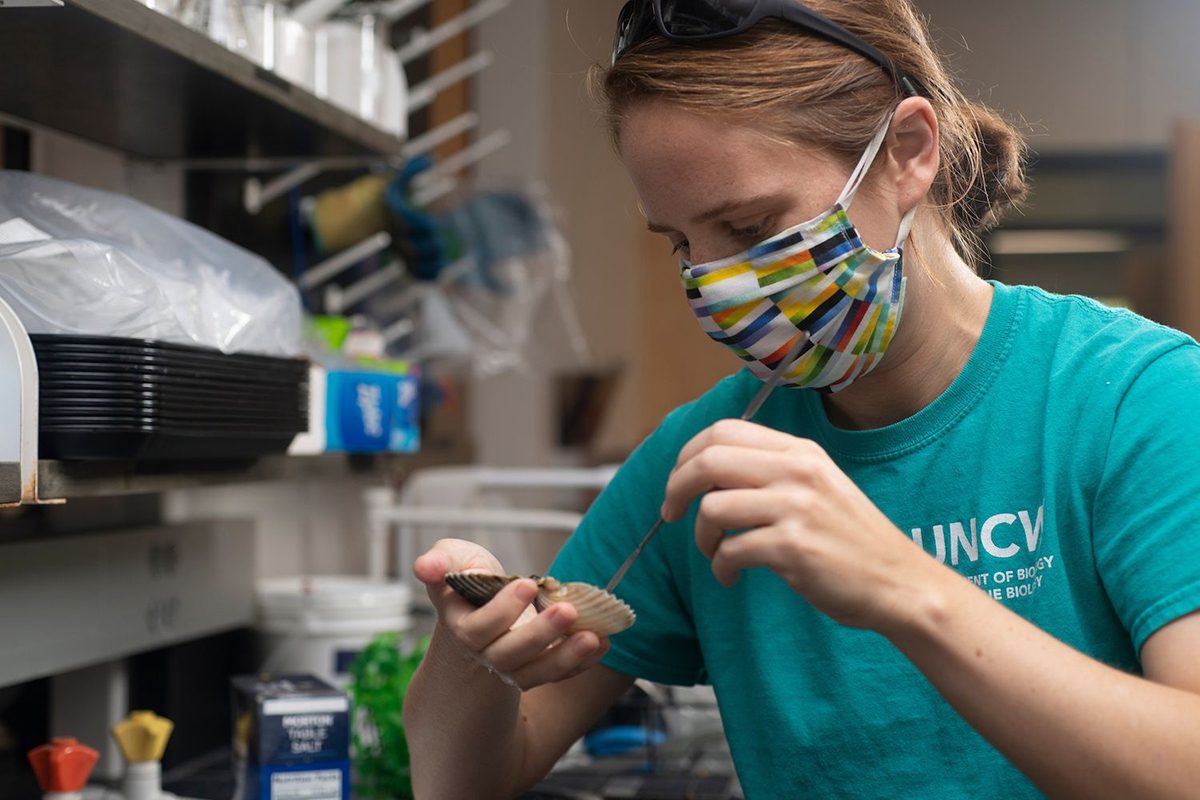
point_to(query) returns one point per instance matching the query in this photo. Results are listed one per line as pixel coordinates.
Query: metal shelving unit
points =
(80, 479)
(123, 76)
(119, 74)
(27, 479)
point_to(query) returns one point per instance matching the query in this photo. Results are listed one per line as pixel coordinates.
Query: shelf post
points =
(18, 413)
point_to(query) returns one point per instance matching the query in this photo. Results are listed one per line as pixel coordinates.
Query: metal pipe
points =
(439, 180)
(355, 293)
(464, 158)
(256, 194)
(441, 134)
(334, 265)
(397, 9)
(312, 13)
(425, 41)
(398, 330)
(435, 191)
(423, 94)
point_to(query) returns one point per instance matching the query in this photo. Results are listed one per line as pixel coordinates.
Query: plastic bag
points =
(75, 260)
(513, 281)
(496, 266)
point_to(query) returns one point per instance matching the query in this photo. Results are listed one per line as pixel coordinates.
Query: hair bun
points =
(997, 181)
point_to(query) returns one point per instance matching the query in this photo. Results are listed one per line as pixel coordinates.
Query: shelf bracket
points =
(424, 41)
(18, 414)
(256, 194)
(439, 180)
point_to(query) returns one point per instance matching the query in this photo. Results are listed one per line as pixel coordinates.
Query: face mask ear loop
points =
(906, 223)
(864, 165)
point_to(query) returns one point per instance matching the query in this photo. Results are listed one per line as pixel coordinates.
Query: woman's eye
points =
(757, 231)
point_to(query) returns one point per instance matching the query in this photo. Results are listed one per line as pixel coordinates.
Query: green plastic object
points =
(378, 750)
(332, 330)
(391, 366)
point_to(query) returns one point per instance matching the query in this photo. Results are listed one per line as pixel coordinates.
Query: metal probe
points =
(755, 404)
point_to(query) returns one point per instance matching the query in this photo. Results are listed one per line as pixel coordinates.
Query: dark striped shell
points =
(478, 587)
(599, 611)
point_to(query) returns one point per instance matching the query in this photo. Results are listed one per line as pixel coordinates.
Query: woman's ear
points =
(912, 148)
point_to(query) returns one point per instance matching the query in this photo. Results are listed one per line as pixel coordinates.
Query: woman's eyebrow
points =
(723, 209)
(734, 205)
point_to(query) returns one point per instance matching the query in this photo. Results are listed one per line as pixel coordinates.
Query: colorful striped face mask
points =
(818, 280)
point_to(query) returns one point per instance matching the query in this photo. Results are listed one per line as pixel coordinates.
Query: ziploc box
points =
(291, 738)
(372, 412)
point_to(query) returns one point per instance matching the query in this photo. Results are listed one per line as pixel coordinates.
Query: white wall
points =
(1084, 74)
(81, 162)
(536, 89)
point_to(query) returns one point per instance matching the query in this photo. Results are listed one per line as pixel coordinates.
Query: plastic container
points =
(319, 623)
(108, 397)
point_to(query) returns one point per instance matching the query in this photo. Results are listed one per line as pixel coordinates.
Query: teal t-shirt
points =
(1058, 473)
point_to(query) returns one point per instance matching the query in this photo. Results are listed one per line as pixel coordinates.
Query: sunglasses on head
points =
(702, 20)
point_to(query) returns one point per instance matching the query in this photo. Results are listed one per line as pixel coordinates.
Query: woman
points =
(813, 564)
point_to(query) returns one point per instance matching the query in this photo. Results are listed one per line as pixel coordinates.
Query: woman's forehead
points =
(683, 164)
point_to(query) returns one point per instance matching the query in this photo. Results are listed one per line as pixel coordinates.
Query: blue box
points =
(291, 738)
(372, 412)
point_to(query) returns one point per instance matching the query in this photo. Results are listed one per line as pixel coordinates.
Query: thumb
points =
(431, 568)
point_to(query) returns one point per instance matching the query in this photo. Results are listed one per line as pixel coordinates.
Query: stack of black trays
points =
(113, 398)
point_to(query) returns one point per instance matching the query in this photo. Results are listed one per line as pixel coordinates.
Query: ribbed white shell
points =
(599, 611)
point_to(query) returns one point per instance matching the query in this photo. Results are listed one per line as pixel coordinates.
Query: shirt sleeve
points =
(1147, 507)
(662, 645)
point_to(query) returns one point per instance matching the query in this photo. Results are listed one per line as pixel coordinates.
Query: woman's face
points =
(715, 189)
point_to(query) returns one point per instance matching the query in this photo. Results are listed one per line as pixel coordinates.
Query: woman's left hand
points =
(800, 516)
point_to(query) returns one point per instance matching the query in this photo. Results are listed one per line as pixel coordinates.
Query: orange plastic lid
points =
(63, 765)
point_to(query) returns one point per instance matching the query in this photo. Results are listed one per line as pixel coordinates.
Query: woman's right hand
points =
(525, 648)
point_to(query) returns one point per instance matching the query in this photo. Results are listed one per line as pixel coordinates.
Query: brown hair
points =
(800, 87)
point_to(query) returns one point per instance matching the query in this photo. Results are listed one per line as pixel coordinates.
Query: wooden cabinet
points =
(1182, 269)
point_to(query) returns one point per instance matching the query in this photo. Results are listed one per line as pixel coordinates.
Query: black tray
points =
(98, 368)
(57, 418)
(213, 366)
(54, 343)
(159, 423)
(158, 444)
(137, 419)
(52, 385)
(96, 423)
(62, 401)
(106, 397)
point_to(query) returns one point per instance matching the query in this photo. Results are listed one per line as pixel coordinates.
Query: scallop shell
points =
(478, 587)
(599, 611)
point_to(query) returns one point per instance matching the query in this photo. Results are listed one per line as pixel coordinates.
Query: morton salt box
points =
(291, 738)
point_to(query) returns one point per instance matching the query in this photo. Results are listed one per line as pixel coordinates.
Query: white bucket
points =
(317, 624)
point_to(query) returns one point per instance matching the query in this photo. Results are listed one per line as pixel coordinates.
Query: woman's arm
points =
(473, 737)
(1076, 727)
(471, 730)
